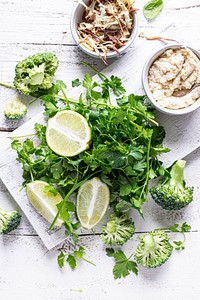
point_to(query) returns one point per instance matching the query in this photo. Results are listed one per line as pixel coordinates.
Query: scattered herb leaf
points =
(76, 82)
(152, 8)
(123, 265)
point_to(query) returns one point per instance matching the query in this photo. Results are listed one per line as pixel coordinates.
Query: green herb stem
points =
(68, 99)
(88, 261)
(21, 136)
(7, 85)
(145, 186)
(101, 76)
(65, 97)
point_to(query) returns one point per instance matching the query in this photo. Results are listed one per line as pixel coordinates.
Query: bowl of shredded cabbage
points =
(103, 28)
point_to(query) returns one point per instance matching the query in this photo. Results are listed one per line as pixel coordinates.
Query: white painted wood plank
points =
(30, 272)
(27, 270)
(47, 22)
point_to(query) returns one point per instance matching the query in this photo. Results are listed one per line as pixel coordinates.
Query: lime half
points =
(44, 202)
(92, 202)
(68, 133)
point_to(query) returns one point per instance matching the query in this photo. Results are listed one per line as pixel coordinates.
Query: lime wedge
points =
(92, 202)
(68, 133)
(44, 202)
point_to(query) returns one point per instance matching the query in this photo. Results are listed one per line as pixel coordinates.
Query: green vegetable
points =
(180, 245)
(125, 143)
(9, 221)
(76, 82)
(152, 8)
(123, 265)
(172, 193)
(35, 73)
(154, 249)
(118, 230)
(15, 110)
(71, 258)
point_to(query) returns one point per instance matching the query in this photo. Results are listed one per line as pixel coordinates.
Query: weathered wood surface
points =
(27, 27)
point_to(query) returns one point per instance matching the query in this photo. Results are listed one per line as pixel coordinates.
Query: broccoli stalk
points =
(117, 231)
(154, 249)
(15, 110)
(9, 221)
(172, 193)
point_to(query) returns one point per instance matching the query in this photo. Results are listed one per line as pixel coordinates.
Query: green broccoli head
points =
(9, 221)
(117, 231)
(35, 73)
(15, 110)
(154, 249)
(172, 193)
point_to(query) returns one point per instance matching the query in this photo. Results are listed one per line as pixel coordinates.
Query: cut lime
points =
(68, 133)
(92, 202)
(44, 202)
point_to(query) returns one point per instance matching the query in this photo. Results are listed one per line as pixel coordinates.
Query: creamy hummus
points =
(175, 70)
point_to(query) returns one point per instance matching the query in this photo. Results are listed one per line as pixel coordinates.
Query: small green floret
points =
(35, 73)
(118, 230)
(154, 249)
(172, 193)
(9, 221)
(15, 110)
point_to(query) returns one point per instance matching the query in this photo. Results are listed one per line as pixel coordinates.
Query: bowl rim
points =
(110, 54)
(145, 72)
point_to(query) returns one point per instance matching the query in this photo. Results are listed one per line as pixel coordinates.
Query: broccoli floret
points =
(15, 110)
(117, 231)
(9, 221)
(35, 73)
(172, 193)
(154, 249)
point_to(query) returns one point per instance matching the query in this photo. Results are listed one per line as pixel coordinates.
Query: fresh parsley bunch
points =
(126, 142)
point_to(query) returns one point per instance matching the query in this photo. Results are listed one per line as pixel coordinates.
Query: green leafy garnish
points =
(123, 265)
(180, 245)
(76, 82)
(71, 257)
(152, 8)
(126, 142)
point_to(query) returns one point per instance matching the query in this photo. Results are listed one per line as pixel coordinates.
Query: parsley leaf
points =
(71, 257)
(76, 82)
(180, 245)
(185, 227)
(71, 261)
(123, 265)
(61, 259)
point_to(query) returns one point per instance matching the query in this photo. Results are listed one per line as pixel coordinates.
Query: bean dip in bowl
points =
(171, 79)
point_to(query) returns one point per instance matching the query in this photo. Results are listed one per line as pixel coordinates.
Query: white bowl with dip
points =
(145, 81)
(76, 18)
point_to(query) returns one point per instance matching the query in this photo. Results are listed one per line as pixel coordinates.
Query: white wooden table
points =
(27, 269)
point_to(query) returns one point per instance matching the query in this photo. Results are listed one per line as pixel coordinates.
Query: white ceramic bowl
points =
(145, 83)
(76, 18)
